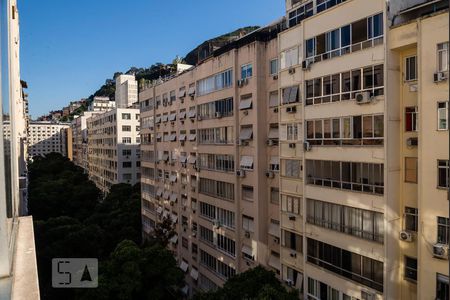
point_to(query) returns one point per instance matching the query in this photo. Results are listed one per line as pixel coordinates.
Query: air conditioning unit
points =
(199, 118)
(413, 141)
(289, 282)
(240, 83)
(194, 233)
(270, 174)
(291, 70)
(275, 110)
(241, 142)
(363, 97)
(270, 142)
(440, 251)
(216, 223)
(240, 173)
(406, 236)
(439, 76)
(291, 218)
(193, 188)
(218, 114)
(293, 254)
(247, 234)
(182, 143)
(276, 240)
(292, 145)
(306, 146)
(275, 77)
(306, 65)
(245, 112)
(291, 109)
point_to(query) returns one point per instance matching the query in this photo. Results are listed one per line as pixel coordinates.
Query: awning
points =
(166, 195)
(246, 133)
(159, 210)
(192, 113)
(182, 115)
(165, 157)
(293, 94)
(192, 137)
(191, 90)
(174, 239)
(299, 282)
(192, 159)
(164, 118)
(181, 93)
(159, 135)
(184, 266)
(159, 192)
(247, 250)
(183, 159)
(173, 137)
(173, 197)
(274, 262)
(245, 104)
(194, 274)
(165, 213)
(246, 162)
(173, 178)
(158, 120)
(182, 137)
(274, 230)
(174, 218)
(274, 133)
(172, 117)
(274, 160)
(185, 290)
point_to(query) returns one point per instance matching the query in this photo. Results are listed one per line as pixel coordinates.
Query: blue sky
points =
(69, 48)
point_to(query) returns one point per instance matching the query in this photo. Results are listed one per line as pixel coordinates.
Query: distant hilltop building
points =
(101, 104)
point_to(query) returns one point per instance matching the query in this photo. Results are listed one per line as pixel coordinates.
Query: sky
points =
(69, 48)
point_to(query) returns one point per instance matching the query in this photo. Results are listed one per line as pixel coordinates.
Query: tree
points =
(256, 283)
(163, 232)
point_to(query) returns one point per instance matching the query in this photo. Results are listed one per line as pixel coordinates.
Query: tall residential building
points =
(46, 137)
(113, 147)
(210, 160)
(418, 81)
(126, 91)
(80, 139)
(18, 269)
(101, 104)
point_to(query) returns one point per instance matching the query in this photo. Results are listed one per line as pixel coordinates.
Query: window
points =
(290, 95)
(442, 115)
(246, 71)
(247, 193)
(217, 189)
(215, 82)
(274, 195)
(219, 135)
(126, 128)
(126, 152)
(292, 241)
(411, 169)
(217, 162)
(247, 223)
(442, 57)
(365, 224)
(207, 210)
(358, 268)
(443, 173)
(273, 99)
(301, 13)
(273, 68)
(216, 109)
(274, 164)
(226, 244)
(411, 118)
(126, 140)
(411, 68)
(410, 268)
(126, 116)
(442, 288)
(291, 168)
(289, 58)
(411, 218)
(290, 204)
(355, 176)
(126, 164)
(443, 225)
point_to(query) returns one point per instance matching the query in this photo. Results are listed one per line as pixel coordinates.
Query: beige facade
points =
(210, 161)
(80, 139)
(419, 51)
(113, 147)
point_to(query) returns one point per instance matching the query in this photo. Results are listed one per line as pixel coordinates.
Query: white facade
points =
(126, 91)
(47, 137)
(113, 147)
(101, 104)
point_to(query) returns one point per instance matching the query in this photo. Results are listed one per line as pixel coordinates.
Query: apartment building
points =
(18, 268)
(126, 91)
(80, 139)
(101, 104)
(113, 147)
(210, 160)
(418, 56)
(45, 137)
(352, 180)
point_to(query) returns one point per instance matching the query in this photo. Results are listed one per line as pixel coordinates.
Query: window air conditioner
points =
(363, 98)
(406, 236)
